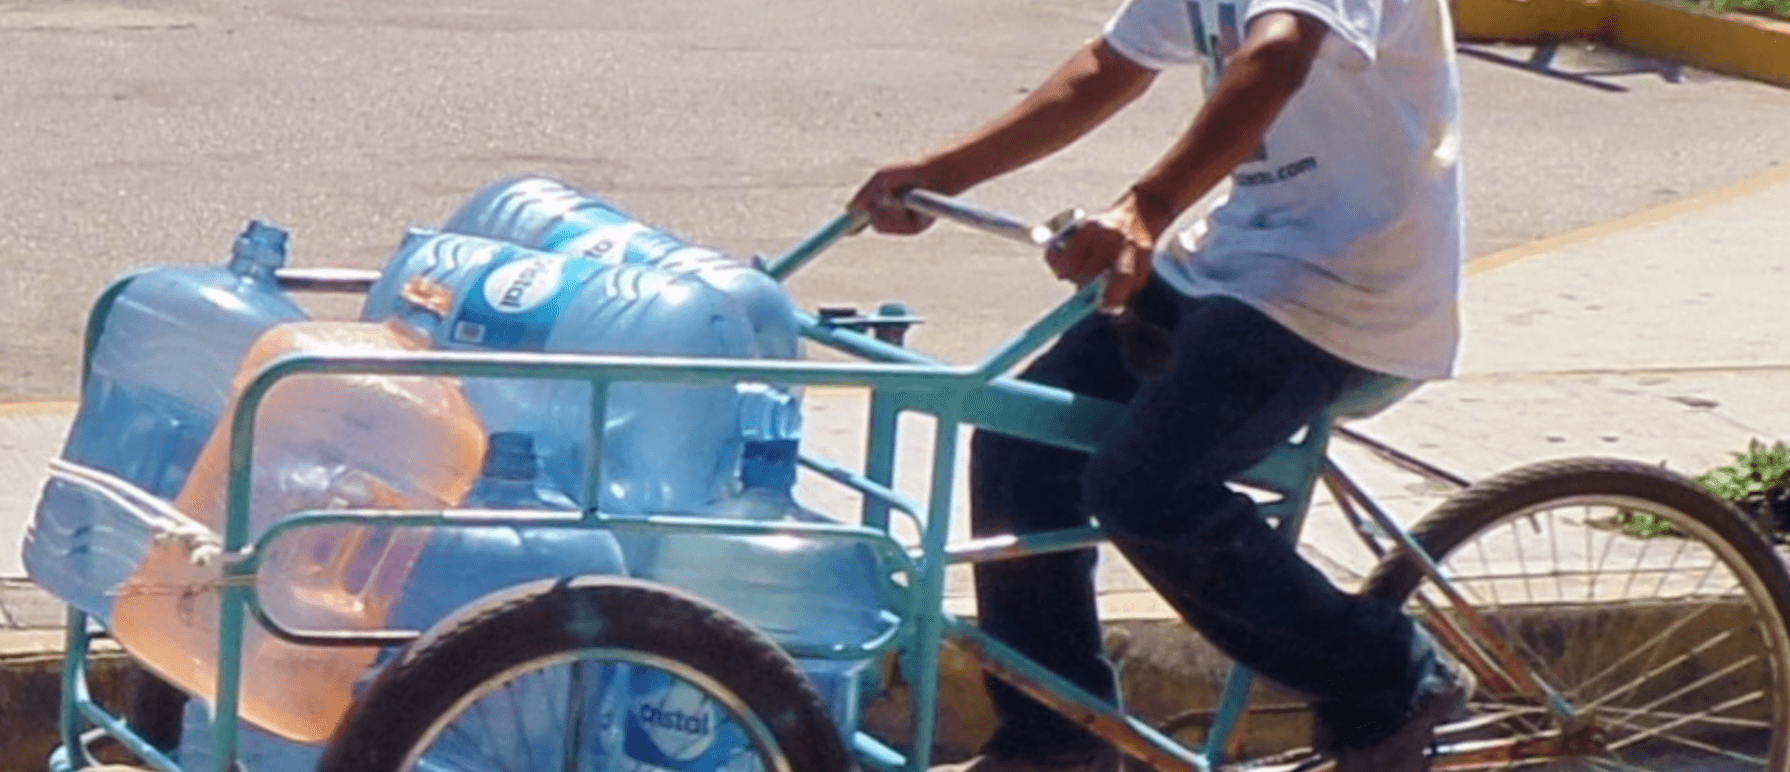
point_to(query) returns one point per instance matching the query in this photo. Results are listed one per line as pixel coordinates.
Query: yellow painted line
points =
(1517, 254)
(12, 408)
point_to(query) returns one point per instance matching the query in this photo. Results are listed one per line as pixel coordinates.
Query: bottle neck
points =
(505, 492)
(251, 268)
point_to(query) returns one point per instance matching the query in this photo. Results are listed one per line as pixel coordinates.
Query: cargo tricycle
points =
(1616, 616)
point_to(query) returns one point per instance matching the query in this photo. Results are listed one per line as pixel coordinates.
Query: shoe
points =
(1406, 749)
(1103, 761)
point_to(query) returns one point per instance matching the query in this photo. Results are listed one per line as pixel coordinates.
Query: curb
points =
(31, 692)
(1736, 44)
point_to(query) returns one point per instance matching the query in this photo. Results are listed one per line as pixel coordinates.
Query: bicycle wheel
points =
(589, 674)
(1653, 609)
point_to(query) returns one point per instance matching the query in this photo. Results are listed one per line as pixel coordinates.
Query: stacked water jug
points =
(528, 264)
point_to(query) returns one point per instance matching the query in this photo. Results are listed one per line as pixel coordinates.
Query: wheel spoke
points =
(1728, 753)
(1636, 682)
(573, 717)
(1652, 647)
(1669, 645)
(1669, 725)
(1730, 722)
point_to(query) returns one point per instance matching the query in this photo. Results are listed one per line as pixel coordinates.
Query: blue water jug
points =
(256, 750)
(808, 593)
(668, 725)
(160, 377)
(667, 448)
(550, 215)
(547, 214)
(460, 565)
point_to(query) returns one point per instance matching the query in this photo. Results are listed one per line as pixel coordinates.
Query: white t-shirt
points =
(1346, 226)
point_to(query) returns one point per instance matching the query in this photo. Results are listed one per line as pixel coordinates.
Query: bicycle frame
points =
(899, 381)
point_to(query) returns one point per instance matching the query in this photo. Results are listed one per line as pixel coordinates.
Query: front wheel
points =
(1652, 611)
(588, 675)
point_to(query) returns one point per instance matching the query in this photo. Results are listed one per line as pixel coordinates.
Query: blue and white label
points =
(672, 725)
(515, 304)
(523, 285)
(629, 242)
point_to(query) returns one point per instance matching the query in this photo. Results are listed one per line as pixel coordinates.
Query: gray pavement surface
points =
(143, 133)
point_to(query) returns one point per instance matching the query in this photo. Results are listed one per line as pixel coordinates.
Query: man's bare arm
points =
(1088, 88)
(1257, 82)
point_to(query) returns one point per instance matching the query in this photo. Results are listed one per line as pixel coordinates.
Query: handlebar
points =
(1043, 235)
(1146, 347)
(965, 213)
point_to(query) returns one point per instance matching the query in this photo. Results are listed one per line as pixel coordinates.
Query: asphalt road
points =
(146, 132)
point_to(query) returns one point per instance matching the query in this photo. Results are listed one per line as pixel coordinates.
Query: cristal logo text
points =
(674, 719)
(513, 296)
(523, 285)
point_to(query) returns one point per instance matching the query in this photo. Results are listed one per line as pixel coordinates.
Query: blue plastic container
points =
(669, 725)
(460, 565)
(667, 448)
(546, 214)
(160, 378)
(803, 592)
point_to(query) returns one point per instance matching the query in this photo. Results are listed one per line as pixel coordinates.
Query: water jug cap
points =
(262, 244)
(510, 456)
(769, 464)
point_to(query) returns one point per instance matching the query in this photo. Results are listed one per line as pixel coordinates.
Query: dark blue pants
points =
(1239, 385)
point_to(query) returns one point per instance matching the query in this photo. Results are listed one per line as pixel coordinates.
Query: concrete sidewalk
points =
(1651, 338)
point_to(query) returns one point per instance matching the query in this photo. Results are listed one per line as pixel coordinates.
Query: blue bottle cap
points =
(510, 456)
(769, 464)
(261, 245)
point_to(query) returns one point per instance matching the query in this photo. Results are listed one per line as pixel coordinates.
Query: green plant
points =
(1758, 481)
(1645, 525)
(1777, 8)
(1756, 470)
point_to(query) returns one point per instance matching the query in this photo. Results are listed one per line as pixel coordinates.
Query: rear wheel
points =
(1653, 609)
(588, 674)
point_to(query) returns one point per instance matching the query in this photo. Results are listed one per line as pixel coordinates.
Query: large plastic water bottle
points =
(322, 442)
(547, 214)
(667, 448)
(256, 751)
(804, 592)
(668, 725)
(160, 378)
(463, 564)
(458, 566)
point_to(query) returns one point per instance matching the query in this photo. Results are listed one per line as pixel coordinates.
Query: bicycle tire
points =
(517, 633)
(1690, 674)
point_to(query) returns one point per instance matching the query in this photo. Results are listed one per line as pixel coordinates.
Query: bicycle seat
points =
(1368, 399)
(1291, 469)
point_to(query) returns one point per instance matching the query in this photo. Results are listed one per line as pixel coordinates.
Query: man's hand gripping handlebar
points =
(1148, 348)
